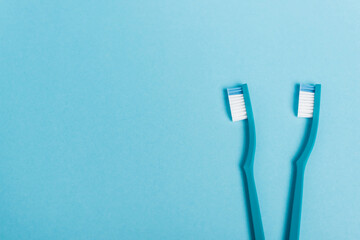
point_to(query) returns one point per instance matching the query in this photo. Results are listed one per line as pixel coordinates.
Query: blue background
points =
(114, 123)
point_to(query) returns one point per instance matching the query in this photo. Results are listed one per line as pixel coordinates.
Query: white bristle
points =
(237, 107)
(306, 104)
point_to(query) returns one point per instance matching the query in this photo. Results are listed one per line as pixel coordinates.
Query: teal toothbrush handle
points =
(294, 232)
(297, 203)
(248, 168)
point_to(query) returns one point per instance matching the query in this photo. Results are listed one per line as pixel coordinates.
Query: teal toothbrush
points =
(240, 107)
(309, 107)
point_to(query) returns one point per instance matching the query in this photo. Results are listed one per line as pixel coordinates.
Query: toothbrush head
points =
(237, 104)
(306, 100)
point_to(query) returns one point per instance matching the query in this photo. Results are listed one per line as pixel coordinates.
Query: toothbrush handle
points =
(294, 232)
(254, 205)
(248, 168)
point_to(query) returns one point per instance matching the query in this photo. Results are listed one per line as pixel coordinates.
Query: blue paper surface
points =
(114, 122)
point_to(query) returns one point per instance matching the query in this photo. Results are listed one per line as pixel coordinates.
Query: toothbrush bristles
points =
(237, 104)
(306, 100)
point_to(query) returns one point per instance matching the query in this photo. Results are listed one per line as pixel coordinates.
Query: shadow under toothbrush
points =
(244, 151)
(290, 198)
(296, 99)
(227, 104)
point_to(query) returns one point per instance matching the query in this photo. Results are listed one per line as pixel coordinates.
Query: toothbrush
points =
(309, 107)
(240, 107)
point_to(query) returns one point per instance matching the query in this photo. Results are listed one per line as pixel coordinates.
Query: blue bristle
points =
(307, 87)
(235, 91)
